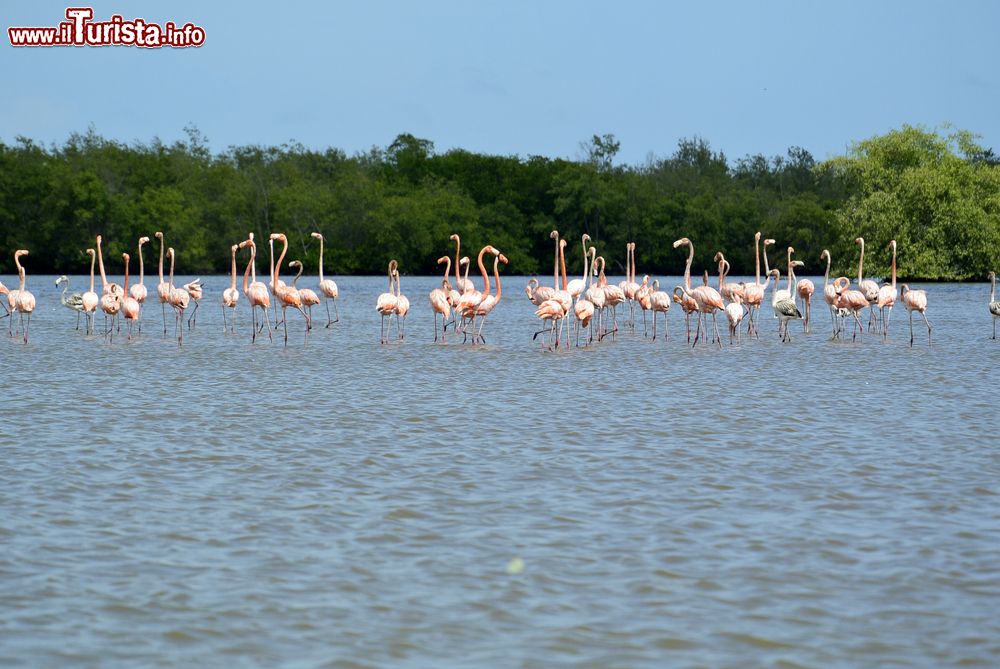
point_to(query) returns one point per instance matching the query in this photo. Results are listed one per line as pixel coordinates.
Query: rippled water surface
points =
(338, 503)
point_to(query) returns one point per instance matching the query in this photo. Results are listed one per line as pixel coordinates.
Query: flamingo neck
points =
(171, 282)
(270, 243)
(142, 267)
(295, 281)
(562, 263)
(126, 277)
(233, 285)
(20, 271)
(628, 262)
(584, 242)
(277, 266)
(253, 261)
(826, 277)
(321, 259)
(100, 262)
(756, 261)
(496, 276)
(458, 247)
(246, 273)
(861, 262)
(555, 265)
(161, 263)
(447, 270)
(93, 258)
(466, 278)
(482, 268)
(993, 289)
(687, 267)
(894, 267)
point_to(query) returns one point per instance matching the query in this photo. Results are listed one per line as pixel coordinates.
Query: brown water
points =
(338, 503)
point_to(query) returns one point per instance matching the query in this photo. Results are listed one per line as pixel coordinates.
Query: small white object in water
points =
(515, 566)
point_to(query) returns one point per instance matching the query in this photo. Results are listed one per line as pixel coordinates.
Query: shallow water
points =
(338, 503)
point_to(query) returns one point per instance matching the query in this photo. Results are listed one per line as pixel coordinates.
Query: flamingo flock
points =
(590, 301)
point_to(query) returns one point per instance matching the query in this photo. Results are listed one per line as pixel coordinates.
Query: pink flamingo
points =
(583, 309)
(90, 298)
(111, 298)
(386, 303)
(642, 294)
(829, 292)
(805, 289)
(613, 296)
(138, 291)
(402, 306)
(659, 302)
(707, 299)
(130, 305)
(753, 295)
(271, 284)
(194, 289)
(231, 296)
(629, 286)
(490, 302)
(916, 300)
(327, 286)
(308, 295)
(852, 301)
(993, 304)
(25, 300)
(162, 288)
(256, 292)
(887, 295)
(439, 299)
(287, 295)
(595, 294)
(729, 291)
(688, 305)
(868, 287)
(472, 298)
(179, 300)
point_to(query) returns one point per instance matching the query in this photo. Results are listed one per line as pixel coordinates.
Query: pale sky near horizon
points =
(525, 78)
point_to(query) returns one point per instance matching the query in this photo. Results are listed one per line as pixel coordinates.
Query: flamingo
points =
(230, 296)
(916, 300)
(783, 305)
(308, 295)
(642, 294)
(552, 311)
(439, 299)
(785, 293)
(25, 300)
(994, 305)
(629, 286)
(287, 295)
(179, 299)
(402, 306)
(805, 289)
(614, 296)
(829, 292)
(138, 291)
(707, 299)
(887, 295)
(753, 295)
(490, 302)
(867, 287)
(659, 302)
(595, 294)
(851, 301)
(111, 298)
(162, 288)
(256, 292)
(729, 291)
(327, 286)
(583, 309)
(471, 297)
(195, 291)
(74, 301)
(734, 314)
(462, 285)
(386, 303)
(685, 300)
(271, 283)
(577, 286)
(563, 295)
(90, 298)
(130, 305)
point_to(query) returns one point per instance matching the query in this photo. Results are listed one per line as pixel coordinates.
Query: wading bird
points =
(25, 300)
(916, 300)
(231, 296)
(327, 286)
(994, 305)
(74, 301)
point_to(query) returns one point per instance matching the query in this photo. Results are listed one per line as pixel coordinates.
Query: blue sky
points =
(516, 77)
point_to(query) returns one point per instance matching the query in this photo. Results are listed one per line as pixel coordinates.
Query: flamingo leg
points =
(911, 328)
(926, 322)
(28, 324)
(329, 321)
(163, 309)
(284, 320)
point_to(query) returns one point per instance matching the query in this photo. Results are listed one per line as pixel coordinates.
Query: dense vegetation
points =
(939, 195)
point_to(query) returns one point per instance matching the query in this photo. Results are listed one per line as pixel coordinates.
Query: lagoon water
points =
(338, 503)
